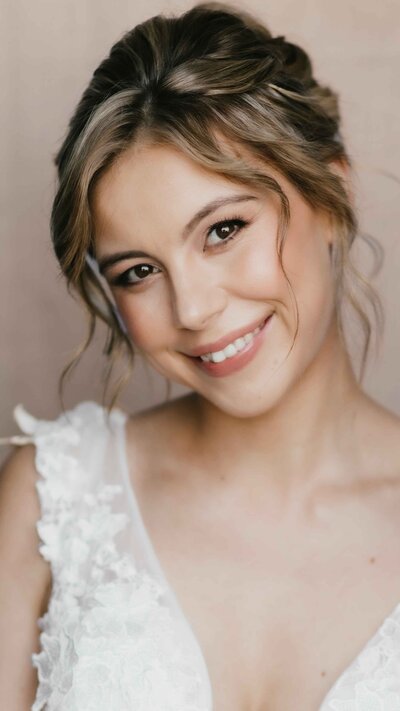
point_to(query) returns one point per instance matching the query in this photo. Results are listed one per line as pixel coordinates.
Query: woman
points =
(237, 548)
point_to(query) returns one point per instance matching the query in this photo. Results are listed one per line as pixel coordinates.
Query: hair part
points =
(214, 83)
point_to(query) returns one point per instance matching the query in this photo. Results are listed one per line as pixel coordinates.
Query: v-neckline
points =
(159, 571)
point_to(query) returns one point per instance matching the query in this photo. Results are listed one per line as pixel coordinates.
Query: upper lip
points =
(225, 340)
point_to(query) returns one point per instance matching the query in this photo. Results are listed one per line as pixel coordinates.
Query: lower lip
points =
(231, 365)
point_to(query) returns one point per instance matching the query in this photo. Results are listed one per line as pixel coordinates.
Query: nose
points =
(196, 298)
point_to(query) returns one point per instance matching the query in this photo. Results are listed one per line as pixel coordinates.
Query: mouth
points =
(231, 363)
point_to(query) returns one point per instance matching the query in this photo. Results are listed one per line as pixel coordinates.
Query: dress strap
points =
(19, 414)
(18, 440)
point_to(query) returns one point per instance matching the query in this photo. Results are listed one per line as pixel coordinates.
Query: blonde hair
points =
(188, 80)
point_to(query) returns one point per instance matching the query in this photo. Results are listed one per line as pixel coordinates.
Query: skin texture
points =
(25, 580)
(243, 280)
(281, 480)
(293, 413)
(284, 476)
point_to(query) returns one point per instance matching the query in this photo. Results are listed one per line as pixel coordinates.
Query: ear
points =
(342, 169)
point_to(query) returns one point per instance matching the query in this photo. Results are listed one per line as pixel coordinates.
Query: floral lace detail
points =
(108, 639)
(372, 681)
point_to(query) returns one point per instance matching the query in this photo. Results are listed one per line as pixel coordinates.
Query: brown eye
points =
(141, 271)
(226, 230)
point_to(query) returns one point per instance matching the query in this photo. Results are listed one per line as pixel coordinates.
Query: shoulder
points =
(45, 448)
(71, 433)
(20, 559)
(376, 483)
(25, 580)
(17, 485)
(382, 440)
(37, 474)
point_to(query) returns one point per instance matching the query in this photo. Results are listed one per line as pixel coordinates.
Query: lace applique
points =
(372, 682)
(108, 639)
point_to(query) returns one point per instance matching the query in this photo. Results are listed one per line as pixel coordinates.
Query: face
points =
(183, 282)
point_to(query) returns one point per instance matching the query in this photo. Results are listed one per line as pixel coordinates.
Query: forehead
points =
(155, 187)
(150, 186)
(155, 173)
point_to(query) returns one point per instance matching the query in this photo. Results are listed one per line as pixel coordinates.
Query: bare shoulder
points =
(25, 579)
(382, 440)
(19, 467)
(380, 447)
(19, 512)
(17, 481)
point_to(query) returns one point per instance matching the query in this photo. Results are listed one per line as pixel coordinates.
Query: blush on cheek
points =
(147, 326)
(263, 267)
(256, 273)
(135, 325)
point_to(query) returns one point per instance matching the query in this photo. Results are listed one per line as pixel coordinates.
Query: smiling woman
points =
(235, 549)
(218, 274)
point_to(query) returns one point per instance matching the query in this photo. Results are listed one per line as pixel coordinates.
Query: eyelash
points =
(122, 279)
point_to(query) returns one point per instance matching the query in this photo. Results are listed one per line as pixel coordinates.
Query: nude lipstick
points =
(237, 361)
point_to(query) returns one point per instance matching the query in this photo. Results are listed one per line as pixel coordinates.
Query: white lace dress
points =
(114, 637)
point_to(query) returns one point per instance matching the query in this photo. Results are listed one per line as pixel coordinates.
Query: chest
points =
(278, 616)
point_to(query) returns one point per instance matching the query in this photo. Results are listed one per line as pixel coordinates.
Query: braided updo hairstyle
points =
(212, 73)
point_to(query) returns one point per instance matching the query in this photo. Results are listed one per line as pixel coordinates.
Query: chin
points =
(248, 399)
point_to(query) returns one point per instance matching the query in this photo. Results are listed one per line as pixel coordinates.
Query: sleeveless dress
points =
(114, 636)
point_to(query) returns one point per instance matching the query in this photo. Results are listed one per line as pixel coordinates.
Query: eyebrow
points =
(107, 262)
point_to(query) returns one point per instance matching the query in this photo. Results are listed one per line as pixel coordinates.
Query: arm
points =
(25, 580)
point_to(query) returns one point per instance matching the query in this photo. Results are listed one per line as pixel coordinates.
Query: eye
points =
(225, 231)
(141, 271)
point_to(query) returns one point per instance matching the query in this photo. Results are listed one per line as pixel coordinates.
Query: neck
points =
(311, 437)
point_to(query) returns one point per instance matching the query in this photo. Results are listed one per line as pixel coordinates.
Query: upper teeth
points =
(232, 348)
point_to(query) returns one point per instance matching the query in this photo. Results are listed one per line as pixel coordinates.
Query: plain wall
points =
(51, 49)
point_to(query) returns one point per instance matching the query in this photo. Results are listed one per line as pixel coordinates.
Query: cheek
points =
(254, 271)
(138, 317)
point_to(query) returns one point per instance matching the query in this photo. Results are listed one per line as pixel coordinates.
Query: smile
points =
(231, 349)
(235, 355)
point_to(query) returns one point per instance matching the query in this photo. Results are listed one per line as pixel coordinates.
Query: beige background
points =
(51, 49)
